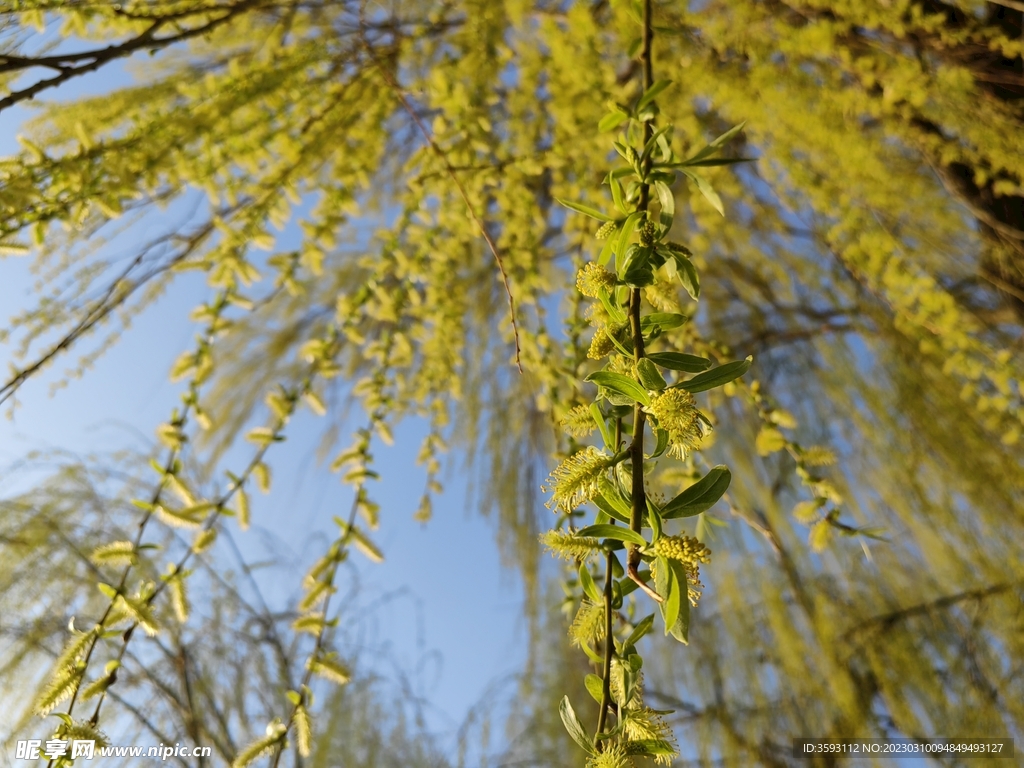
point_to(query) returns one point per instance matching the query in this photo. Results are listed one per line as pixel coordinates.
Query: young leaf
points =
(589, 587)
(611, 121)
(595, 687)
(621, 384)
(687, 275)
(715, 145)
(653, 748)
(654, 520)
(700, 496)
(665, 320)
(680, 629)
(649, 375)
(607, 504)
(610, 510)
(602, 425)
(585, 210)
(716, 377)
(617, 532)
(706, 189)
(652, 93)
(713, 161)
(679, 361)
(617, 196)
(641, 629)
(668, 203)
(667, 585)
(572, 725)
(627, 232)
(662, 444)
(617, 315)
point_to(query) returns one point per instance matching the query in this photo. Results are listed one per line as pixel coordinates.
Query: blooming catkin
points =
(691, 553)
(601, 344)
(578, 478)
(676, 412)
(592, 278)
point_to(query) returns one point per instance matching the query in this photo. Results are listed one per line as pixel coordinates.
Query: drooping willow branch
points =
(399, 93)
(73, 663)
(319, 586)
(632, 386)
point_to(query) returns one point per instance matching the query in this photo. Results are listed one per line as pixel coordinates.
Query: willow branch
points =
(145, 40)
(636, 448)
(450, 170)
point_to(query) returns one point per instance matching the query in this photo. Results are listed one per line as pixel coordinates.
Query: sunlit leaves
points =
(700, 496)
(573, 726)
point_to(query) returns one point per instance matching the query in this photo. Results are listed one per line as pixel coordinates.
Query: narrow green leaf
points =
(713, 161)
(627, 232)
(717, 144)
(700, 496)
(617, 196)
(687, 275)
(641, 629)
(592, 654)
(662, 444)
(679, 361)
(572, 725)
(589, 587)
(602, 425)
(680, 628)
(107, 590)
(586, 210)
(611, 121)
(652, 93)
(609, 245)
(637, 270)
(716, 377)
(617, 532)
(624, 385)
(653, 748)
(653, 141)
(668, 203)
(617, 315)
(666, 320)
(613, 498)
(667, 585)
(721, 140)
(654, 520)
(649, 375)
(706, 189)
(595, 687)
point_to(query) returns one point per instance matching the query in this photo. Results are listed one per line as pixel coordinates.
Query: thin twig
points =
(609, 649)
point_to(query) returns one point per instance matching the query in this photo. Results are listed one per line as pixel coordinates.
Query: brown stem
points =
(636, 448)
(609, 650)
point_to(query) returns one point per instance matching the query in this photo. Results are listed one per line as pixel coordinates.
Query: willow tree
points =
(870, 262)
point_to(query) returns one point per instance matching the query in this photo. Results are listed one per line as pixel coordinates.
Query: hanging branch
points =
(632, 385)
(450, 170)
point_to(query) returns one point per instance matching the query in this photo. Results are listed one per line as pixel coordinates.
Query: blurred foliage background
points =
(868, 571)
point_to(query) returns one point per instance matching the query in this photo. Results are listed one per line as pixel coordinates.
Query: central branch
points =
(636, 448)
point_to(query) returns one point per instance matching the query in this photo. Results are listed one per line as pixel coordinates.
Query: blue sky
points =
(421, 617)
